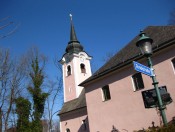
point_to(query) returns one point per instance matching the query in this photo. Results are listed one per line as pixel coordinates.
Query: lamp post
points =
(145, 45)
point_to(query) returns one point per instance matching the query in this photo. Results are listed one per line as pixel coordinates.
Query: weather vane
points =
(70, 16)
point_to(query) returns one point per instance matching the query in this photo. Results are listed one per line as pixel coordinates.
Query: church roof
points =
(74, 104)
(162, 36)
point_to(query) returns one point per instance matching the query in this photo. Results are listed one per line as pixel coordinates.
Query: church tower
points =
(75, 66)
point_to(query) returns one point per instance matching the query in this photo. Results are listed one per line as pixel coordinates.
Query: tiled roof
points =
(161, 36)
(72, 105)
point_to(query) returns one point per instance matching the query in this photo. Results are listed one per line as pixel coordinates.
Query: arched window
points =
(83, 69)
(68, 70)
(67, 130)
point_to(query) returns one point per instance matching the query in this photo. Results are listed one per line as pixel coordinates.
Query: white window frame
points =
(173, 65)
(134, 87)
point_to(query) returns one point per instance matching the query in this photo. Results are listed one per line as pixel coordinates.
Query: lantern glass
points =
(145, 47)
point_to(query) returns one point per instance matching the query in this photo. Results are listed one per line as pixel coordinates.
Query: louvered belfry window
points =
(67, 130)
(68, 70)
(83, 69)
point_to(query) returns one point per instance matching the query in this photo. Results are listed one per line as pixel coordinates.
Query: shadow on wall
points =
(84, 126)
(114, 129)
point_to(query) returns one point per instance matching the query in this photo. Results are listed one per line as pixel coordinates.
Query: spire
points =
(74, 45)
(73, 37)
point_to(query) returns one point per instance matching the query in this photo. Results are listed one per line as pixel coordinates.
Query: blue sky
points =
(102, 26)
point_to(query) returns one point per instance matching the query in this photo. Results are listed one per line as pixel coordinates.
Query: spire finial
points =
(72, 32)
(70, 16)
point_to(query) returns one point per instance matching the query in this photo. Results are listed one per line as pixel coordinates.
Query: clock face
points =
(81, 58)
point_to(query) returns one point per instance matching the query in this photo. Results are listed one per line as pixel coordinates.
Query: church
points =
(117, 97)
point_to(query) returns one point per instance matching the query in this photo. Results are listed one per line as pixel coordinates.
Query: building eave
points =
(59, 114)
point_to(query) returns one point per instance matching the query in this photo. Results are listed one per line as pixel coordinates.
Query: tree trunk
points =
(9, 109)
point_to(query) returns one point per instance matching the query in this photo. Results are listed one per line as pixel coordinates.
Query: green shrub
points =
(168, 128)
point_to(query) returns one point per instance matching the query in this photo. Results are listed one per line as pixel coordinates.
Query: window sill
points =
(68, 75)
(106, 100)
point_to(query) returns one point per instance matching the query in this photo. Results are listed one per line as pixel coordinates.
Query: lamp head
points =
(145, 44)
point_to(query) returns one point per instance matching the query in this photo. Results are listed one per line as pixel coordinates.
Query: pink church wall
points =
(73, 121)
(70, 91)
(125, 111)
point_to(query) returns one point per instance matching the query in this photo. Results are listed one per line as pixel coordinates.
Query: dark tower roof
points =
(74, 45)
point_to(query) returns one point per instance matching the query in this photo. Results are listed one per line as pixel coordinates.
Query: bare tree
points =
(9, 27)
(55, 90)
(52, 101)
(36, 92)
(13, 83)
(11, 76)
(56, 126)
